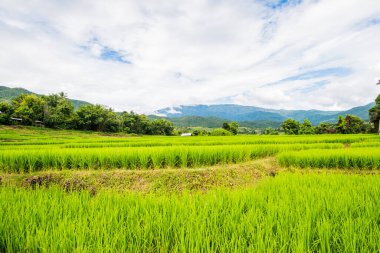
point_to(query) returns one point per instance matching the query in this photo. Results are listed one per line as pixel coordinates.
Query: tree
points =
(160, 127)
(374, 114)
(291, 126)
(232, 127)
(97, 118)
(58, 111)
(270, 131)
(325, 128)
(220, 132)
(29, 108)
(6, 110)
(350, 125)
(134, 123)
(226, 126)
(200, 132)
(306, 128)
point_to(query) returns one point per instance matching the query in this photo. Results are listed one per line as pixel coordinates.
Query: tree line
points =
(348, 124)
(56, 111)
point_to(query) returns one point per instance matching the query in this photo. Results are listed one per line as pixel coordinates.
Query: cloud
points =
(145, 55)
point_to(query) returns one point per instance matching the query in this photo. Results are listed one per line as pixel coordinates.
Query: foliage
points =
(160, 127)
(374, 114)
(350, 125)
(97, 118)
(345, 125)
(200, 132)
(6, 110)
(325, 128)
(58, 111)
(270, 131)
(134, 123)
(220, 132)
(291, 126)
(140, 124)
(29, 108)
(232, 127)
(306, 128)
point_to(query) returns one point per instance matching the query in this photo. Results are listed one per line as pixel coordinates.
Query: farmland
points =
(69, 191)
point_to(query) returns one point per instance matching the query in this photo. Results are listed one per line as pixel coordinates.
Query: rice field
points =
(275, 204)
(39, 151)
(289, 213)
(357, 158)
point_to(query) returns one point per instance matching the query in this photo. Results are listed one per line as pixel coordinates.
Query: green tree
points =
(325, 128)
(306, 128)
(220, 132)
(58, 111)
(29, 108)
(6, 110)
(200, 132)
(160, 127)
(374, 114)
(291, 126)
(350, 125)
(226, 126)
(270, 131)
(232, 127)
(97, 118)
(134, 123)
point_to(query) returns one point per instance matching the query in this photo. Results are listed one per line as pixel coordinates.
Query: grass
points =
(71, 191)
(30, 160)
(355, 158)
(148, 181)
(288, 213)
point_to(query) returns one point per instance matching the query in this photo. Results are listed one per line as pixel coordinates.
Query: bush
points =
(220, 132)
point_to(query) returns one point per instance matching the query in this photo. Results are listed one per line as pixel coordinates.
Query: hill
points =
(7, 94)
(256, 114)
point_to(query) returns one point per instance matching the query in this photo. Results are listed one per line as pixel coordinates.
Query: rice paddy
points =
(67, 191)
(289, 213)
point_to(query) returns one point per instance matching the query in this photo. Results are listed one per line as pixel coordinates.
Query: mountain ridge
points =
(7, 94)
(243, 113)
(214, 115)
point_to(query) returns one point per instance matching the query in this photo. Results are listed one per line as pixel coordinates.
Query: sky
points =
(144, 55)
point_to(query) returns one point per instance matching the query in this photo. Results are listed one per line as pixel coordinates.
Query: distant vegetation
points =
(57, 111)
(349, 124)
(242, 114)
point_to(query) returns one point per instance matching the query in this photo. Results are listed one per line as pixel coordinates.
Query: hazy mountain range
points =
(214, 115)
(256, 114)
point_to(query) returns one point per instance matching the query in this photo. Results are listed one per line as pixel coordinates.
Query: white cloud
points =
(190, 52)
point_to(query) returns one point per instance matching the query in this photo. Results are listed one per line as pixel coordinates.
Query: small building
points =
(186, 134)
(39, 123)
(16, 119)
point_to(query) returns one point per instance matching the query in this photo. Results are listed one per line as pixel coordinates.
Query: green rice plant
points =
(288, 213)
(355, 158)
(129, 158)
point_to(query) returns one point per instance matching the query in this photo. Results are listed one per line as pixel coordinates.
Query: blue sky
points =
(145, 55)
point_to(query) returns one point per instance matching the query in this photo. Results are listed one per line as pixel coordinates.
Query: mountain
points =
(257, 114)
(7, 94)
